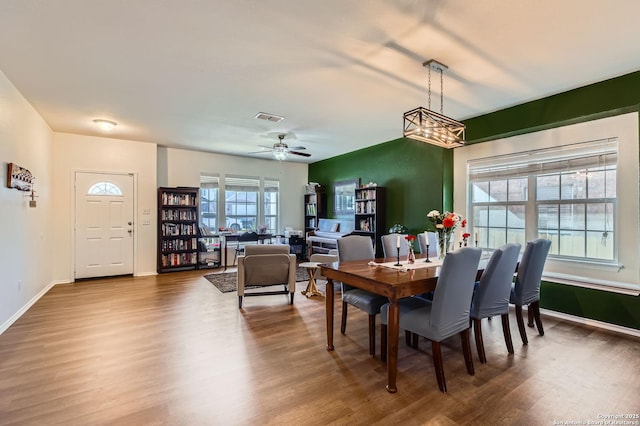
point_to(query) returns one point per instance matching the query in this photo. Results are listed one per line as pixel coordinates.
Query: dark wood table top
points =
(387, 282)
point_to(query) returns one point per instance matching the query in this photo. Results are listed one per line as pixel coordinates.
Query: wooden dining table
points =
(391, 283)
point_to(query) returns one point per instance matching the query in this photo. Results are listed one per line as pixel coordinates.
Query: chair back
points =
(258, 249)
(452, 297)
(354, 247)
(527, 286)
(266, 264)
(323, 258)
(390, 245)
(248, 236)
(491, 297)
(432, 239)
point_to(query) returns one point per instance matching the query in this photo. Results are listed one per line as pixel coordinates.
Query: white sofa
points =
(326, 236)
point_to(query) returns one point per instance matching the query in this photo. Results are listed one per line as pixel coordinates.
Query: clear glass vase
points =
(411, 256)
(444, 240)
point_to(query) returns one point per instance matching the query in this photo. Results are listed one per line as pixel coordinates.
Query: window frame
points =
(623, 277)
(227, 184)
(210, 183)
(584, 157)
(268, 219)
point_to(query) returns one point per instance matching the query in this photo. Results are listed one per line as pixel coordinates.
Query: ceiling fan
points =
(281, 150)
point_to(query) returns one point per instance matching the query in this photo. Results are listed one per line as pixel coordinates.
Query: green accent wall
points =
(419, 177)
(607, 98)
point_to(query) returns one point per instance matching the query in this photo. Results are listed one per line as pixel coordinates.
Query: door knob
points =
(130, 223)
(129, 231)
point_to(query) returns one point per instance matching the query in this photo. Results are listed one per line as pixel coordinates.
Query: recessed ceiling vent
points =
(269, 117)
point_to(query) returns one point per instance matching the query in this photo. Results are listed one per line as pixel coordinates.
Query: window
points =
(499, 210)
(209, 189)
(565, 194)
(105, 188)
(271, 205)
(241, 203)
(344, 195)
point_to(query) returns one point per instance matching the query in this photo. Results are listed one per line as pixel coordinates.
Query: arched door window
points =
(105, 188)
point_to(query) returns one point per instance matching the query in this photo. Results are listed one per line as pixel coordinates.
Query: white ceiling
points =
(193, 73)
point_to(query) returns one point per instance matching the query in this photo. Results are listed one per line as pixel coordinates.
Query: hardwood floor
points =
(172, 350)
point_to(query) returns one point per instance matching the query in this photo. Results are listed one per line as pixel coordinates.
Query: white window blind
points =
(209, 181)
(569, 157)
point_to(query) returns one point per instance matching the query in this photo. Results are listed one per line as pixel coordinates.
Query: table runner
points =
(405, 266)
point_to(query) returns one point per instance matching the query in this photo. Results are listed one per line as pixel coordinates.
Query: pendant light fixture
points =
(428, 126)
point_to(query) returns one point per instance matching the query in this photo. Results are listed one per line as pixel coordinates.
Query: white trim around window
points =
(624, 276)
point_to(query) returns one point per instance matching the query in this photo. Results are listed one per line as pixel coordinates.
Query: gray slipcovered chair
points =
(358, 247)
(434, 246)
(266, 265)
(526, 289)
(447, 314)
(390, 245)
(491, 297)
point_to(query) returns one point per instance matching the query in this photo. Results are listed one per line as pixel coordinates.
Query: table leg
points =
(329, 313)
(224, 256)
(312, 289)
(392, 346)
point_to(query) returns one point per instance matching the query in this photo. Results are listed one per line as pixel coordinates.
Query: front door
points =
(103, 224)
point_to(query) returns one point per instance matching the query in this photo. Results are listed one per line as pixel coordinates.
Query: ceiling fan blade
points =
(262, 151)
(297, 148)
(270, 148)
(304, 154)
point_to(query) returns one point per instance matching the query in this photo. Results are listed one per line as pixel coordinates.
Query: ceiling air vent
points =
(269, 117)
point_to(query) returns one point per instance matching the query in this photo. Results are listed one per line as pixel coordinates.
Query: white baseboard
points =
(591, 322)
(145, 274)
(26, 307)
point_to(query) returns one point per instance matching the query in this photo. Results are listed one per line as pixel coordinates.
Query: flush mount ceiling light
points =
(428, 126)
(106, 125)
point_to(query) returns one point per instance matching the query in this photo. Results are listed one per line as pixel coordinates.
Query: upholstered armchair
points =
(266, 265)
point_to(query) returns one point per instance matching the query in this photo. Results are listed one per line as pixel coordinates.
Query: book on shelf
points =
(173, 199)
(311, 209)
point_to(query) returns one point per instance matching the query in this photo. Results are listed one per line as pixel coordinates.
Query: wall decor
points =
(19, 178)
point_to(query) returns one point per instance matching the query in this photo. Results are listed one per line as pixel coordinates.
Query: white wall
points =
(73, 153)
(36, 248)
(625, 128)
(183, 168)
(26, 243)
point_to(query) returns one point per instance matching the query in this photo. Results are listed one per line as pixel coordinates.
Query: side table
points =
(311, 268)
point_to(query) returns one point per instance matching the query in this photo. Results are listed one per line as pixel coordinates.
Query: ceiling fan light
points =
(280, 154)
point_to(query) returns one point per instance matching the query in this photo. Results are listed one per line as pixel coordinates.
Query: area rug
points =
(227, 281)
